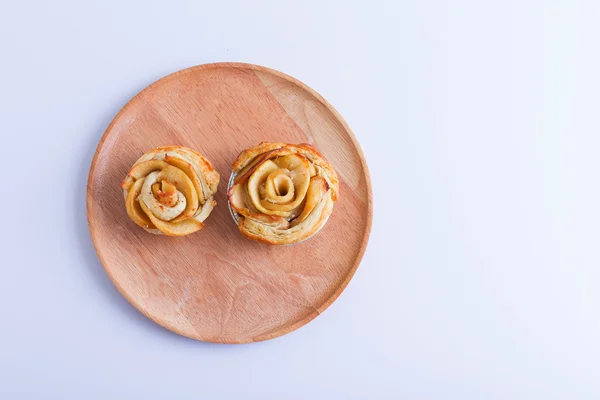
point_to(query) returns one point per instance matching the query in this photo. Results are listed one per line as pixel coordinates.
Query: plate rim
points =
(369, 203)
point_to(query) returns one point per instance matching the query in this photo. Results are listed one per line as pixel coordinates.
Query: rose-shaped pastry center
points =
(278, 186)
(166, 203)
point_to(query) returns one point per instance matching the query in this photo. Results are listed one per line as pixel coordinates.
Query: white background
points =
(480, 123)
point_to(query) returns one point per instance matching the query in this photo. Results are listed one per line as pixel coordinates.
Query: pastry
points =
(282, 193)
(169, 190)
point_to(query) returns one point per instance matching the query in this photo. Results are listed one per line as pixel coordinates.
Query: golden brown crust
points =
(270, 216)
(190, 182)
(249, 154)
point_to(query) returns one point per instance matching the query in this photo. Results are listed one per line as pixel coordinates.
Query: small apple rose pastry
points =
(169, 190)
(281, 193)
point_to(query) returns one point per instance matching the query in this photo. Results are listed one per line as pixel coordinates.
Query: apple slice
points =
(317, 189)
(134, 210)
(142, 170)
(238, 198)
(183, 228)
(191, 173)
(184, 184)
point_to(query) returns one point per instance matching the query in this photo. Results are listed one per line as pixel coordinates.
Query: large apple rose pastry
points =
(282, 193)
(169, 190)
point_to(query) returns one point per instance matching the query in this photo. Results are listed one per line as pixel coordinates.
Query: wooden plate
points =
(215, 285)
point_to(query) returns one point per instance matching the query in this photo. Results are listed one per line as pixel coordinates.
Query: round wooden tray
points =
(215, 285)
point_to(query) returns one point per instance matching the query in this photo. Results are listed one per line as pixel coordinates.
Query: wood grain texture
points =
(215, 285)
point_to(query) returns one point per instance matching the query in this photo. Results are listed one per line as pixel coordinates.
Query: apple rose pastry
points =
(282, 193)
(169, 190)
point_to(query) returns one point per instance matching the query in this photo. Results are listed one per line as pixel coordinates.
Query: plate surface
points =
(215, 285)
